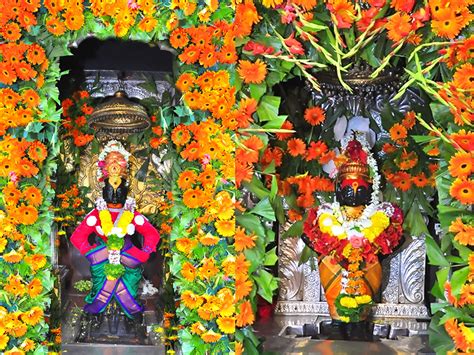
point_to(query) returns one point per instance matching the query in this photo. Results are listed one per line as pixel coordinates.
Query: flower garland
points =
(115, 234)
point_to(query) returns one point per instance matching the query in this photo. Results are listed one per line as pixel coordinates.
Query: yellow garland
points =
(107, 224)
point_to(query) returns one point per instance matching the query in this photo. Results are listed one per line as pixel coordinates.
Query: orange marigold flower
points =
(188, 271)
(252, 72)
(461, 164)
(463, 191)
(15, 286)
(210, 336)
(246, 315)
(180, 135)
(314, 115)
(296, 147)
(398, 132)
(398, 26)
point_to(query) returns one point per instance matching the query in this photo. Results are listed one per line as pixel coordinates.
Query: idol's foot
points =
(360, 331)
(136, 326)
(334, 329)
(113, 319)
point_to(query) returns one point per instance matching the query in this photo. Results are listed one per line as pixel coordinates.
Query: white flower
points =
(118, 232)
(337, 230)
(327, 222)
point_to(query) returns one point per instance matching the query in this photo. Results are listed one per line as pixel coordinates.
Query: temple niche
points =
(118, 75)
(401, 304)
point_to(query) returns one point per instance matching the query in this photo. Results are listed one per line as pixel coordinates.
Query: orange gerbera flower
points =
(252, 72)
(190, 55)
(13, 257)
(74, 19)
(402, 181)
(226, 228)
(463, 78)
(228, 54)
(242, 240)
(246, 315)
(191, 300)
(147, 24)
(287, 125)
(36, 54)
(192, 151)
(179, 38)
(11, 32)
(226, 324)
(208, 269)
(210, 336)
(208, 56)
(243, 287)
(34, 288)
(188, 271)
(407, 160)
(316, 150)
(192, 198)
(185, 245)
(30, 97)
(398, 26)
(208, 239)
(28, 214)
(186, 179)
(420, 180)
(296, 147)
(314, 115)
(55, 26)
(208, 177)
(463, 139)
(7, 73)
(461, 165)
(185, 82)
(463, 191)
(464, 233)
(36, 261)
(33, 195)
(11, 194)
(409, 120)
(398, 132)
(343, 11)
(33, 316)
(446, 24)
(25, 71)
(197, 328)
(15, 286)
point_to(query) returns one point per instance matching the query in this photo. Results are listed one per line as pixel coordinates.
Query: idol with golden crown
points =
(115, 262)
(350, 233)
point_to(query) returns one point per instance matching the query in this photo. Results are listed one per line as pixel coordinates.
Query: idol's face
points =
(353, 191)
(116, 196)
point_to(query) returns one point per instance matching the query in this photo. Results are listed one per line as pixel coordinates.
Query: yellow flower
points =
(348, 302)
(125, 220)
(226, 324)
(380, 220)
(347, 250)
(3, 341)
(106, 221)
(467, 332)
(345, 319)
(364, 299)
(370, 234)
(327, 222)
(210, 336)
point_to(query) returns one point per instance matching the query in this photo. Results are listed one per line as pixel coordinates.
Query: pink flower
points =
(356, 241)
(132, 5)
(13, 177)
(205, 160)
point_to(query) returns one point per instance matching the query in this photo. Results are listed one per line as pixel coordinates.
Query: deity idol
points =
(349, 234)
(115, 262)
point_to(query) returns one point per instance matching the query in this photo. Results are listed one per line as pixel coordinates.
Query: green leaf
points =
(275, 123)
(439, 340)
(251, 223)
(458, 279)
(266, 283)
(256, 187)
(268, 108)
(270, 257)
(435, 255)
(296, 230)
(257, 90)
(264, 209)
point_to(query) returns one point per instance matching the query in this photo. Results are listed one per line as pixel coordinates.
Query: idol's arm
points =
(151, 237)
(80, 237)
